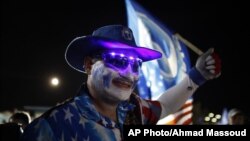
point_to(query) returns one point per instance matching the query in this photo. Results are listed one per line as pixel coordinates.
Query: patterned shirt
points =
(78, 120)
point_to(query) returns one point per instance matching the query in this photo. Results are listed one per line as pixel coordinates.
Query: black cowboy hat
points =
(111, 37)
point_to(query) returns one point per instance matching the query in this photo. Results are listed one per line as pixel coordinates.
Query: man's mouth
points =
(122, 83)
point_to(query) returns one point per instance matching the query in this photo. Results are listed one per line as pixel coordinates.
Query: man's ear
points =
(88, 64)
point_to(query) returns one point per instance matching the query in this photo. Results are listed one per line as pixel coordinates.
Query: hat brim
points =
(90, 45)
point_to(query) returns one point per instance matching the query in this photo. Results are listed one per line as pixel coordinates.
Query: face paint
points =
(106, 80)
(112, 85)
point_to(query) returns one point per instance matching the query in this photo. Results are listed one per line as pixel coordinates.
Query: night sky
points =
(34, 36)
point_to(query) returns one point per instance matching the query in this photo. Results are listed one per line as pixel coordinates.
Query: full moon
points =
(54, 81)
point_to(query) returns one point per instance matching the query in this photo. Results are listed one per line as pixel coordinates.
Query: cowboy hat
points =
(111, 37)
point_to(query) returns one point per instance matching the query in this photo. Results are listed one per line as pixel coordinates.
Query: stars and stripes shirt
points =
(78, 120)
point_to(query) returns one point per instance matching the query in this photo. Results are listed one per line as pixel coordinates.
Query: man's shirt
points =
(78, 120)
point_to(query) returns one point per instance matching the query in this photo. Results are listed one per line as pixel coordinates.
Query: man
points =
(236, 117)
(13, 129)
(21, 118)
(106, 102)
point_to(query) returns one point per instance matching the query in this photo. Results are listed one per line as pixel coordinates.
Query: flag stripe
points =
(181, 117)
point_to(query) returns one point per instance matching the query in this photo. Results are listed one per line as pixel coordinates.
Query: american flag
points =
(181, 117)
(159, 75)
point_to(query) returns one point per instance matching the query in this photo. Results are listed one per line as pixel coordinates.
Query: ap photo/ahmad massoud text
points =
(181, 130)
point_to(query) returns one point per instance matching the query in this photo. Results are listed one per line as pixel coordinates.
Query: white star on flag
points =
(62, 138)
(37, 124)
(40, 137)
(73, 104)
(82, 121)
(53, 114)
(86, 139)
(68, 114)
(75, 138)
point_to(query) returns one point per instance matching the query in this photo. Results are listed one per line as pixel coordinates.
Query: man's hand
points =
(209, 65)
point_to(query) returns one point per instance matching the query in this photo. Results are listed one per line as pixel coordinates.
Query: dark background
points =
(34, 36)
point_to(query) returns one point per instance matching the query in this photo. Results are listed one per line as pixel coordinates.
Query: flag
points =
(157, 75)
(181, 117)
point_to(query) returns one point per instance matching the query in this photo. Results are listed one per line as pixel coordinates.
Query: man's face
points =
(115, 76)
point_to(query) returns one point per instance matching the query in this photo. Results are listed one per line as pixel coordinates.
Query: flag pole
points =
(189, 44)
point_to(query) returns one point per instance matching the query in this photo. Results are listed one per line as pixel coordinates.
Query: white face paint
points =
(112, 85)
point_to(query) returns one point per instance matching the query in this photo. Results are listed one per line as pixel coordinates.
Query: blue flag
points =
(157, 75)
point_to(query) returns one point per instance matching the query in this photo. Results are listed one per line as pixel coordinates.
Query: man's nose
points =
(128, 72)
